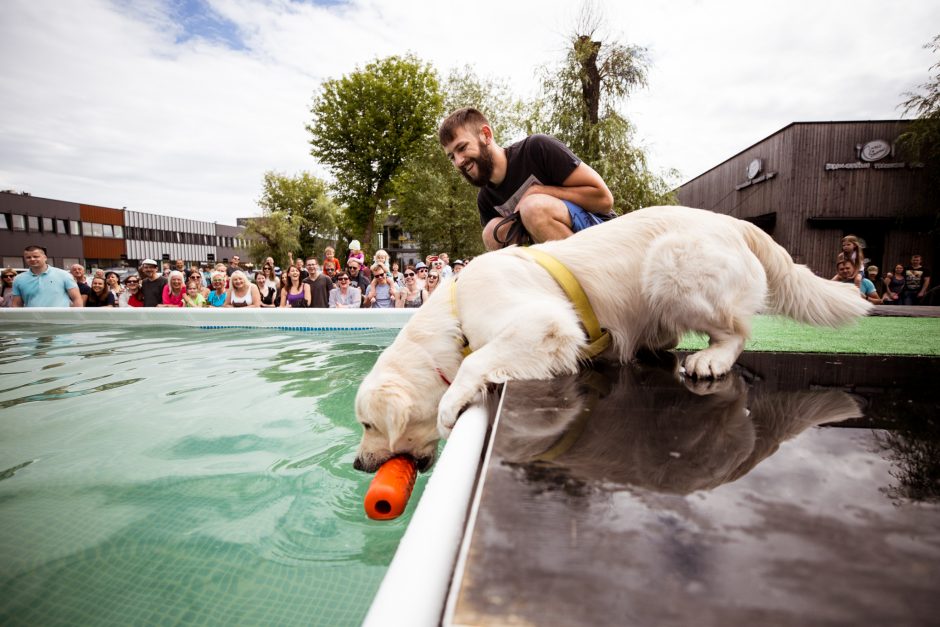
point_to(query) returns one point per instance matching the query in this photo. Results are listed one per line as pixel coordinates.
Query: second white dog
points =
(650, 275)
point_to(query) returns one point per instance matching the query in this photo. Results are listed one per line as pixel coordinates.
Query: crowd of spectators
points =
(903, 285)
(302, 283)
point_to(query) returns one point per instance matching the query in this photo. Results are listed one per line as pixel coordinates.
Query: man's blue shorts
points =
(581, 219)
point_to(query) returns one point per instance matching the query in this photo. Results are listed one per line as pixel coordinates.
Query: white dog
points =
(650, 275)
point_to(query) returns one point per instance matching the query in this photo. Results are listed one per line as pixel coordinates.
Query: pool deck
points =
(629, 496)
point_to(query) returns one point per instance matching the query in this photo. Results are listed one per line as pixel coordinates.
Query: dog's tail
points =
(794, 291)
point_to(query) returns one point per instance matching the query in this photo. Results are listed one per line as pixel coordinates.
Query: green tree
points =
(580, 104)
(435, 204)
(298, 217)
(922, 141)
(366, 125)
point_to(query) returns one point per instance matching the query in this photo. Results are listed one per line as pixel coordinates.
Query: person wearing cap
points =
(421, 274)
(458, 266)
(152, 284)
(355, 252)
(43, 285)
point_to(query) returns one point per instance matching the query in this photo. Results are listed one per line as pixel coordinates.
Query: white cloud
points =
(110, 104)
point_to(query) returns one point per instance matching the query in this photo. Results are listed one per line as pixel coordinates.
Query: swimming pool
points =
(166, 474)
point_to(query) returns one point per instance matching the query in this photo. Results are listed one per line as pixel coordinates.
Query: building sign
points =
(869, 157)
(754, 176)
(875, 150)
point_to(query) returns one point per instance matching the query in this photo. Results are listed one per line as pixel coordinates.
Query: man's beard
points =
(484, 167)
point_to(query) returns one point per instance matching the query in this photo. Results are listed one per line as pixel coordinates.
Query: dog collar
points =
(598, 338)
(440, 373)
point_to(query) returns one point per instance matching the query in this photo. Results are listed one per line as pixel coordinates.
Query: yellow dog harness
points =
(598, 338)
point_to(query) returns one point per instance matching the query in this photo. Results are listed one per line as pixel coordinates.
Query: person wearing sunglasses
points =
(357, 278)
(382, 290)
(345, 295)
(412, 295)
(434, 279)
(131, 296)
(6, 290)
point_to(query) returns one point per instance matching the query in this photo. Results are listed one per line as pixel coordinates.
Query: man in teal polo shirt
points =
(43, 285)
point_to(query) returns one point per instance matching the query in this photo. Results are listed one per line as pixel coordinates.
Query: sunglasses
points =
(9, 276)
(378, 276)
(432, 276)
(131, 282)
(343, 278)
(408, 274)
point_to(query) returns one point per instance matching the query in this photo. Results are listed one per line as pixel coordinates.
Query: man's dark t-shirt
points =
(84, 289)
(536, 160)
(152, 291)
(913, 279)
(320, 291)
(94, 301)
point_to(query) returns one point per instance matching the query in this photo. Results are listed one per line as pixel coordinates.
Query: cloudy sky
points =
(178, 107)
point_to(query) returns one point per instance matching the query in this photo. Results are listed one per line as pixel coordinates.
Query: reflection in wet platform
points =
(632, 496)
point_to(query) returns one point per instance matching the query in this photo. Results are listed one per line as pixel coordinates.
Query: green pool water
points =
(185, 476)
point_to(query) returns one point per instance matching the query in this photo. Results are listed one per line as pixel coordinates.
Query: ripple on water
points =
(211, 469)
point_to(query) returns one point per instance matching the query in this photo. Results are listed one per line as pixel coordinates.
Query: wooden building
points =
(811, 183)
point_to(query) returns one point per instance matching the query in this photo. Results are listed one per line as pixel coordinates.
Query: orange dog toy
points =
(390, 488)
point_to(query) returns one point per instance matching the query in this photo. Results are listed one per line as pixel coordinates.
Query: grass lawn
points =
(871, 336)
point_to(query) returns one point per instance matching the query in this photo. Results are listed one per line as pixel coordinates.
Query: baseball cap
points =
(458, 262)
(148, 262)
(355, 245)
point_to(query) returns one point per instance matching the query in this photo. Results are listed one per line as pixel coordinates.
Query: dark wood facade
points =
(811, 183)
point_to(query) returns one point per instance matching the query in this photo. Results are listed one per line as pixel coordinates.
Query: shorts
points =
(581, 219)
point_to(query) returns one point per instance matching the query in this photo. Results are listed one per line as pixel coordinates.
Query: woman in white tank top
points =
(242, 293)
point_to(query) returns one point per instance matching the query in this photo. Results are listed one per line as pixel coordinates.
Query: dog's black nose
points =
(358, 464)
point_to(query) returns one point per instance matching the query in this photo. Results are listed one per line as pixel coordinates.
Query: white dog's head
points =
(398, 413)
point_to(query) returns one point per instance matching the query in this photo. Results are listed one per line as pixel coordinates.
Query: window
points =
(3, 223)
(118, 231)
(96, 230)
(74, 227)
(47, 225)
(19, 222)
(33, 222)
(86, 228)
(107, 230)
(60, 227)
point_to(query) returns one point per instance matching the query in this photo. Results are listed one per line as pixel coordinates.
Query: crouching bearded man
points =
(537, 183)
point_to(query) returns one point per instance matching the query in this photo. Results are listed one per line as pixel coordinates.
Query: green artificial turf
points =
(871, 336)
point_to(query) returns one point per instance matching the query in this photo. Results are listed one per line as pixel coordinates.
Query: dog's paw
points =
(708, 364)
(447, 413)
(708, 386)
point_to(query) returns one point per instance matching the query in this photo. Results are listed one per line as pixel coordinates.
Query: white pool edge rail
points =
(415, 587)
(215, 317)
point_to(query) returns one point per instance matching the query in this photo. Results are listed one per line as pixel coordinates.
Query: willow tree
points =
(922, 140)
(365, 127)
(581, 101)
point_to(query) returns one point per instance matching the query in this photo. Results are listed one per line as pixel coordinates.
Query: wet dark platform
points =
(625, 496)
